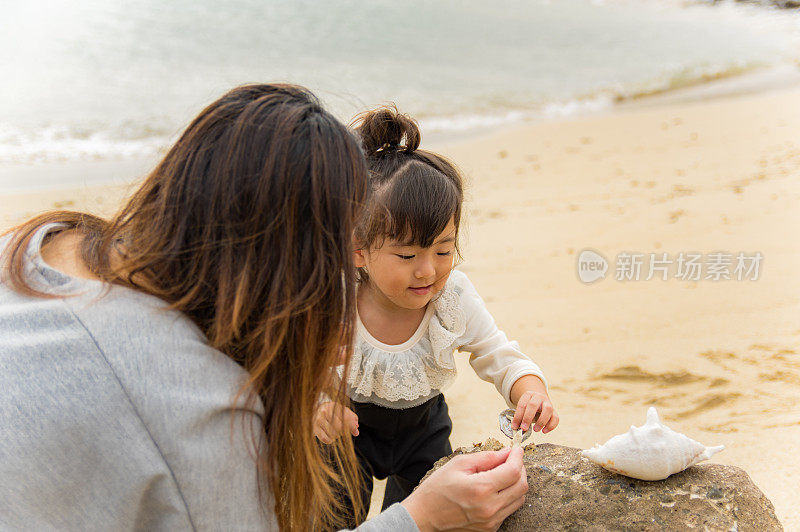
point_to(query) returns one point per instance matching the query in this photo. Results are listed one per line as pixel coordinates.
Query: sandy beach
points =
(719, 359)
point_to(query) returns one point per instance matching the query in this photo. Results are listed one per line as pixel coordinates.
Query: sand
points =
(720, 360)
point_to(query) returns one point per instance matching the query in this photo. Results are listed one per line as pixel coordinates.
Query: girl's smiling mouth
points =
(422, 290)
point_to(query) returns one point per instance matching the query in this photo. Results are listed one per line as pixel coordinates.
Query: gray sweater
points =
(116, 414)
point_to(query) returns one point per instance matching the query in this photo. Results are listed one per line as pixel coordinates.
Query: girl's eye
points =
(406, 257)
(445, 254)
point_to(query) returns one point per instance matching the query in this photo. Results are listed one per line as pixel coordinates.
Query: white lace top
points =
(408, 374)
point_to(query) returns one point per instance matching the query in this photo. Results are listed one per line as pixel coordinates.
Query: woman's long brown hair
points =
(246, 227)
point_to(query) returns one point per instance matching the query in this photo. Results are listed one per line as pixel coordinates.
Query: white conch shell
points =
(650, 452)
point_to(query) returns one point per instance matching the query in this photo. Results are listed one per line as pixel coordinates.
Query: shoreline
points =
(66, 175)
(70, 175)
(760, 80)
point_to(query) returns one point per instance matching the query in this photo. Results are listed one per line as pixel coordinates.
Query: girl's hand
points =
(474, 491)
(533, 405)
(332, 419)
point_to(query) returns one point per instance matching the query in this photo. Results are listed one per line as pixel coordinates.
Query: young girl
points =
(414, 312)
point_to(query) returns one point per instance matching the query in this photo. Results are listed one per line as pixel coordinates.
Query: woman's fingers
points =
(512, 481)
(470, 492)
(516, 490)
(507, 473)
(483, 461)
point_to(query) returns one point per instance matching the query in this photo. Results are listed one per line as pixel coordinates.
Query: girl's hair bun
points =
(385, 130)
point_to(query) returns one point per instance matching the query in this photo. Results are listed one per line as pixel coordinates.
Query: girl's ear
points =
(359, 254)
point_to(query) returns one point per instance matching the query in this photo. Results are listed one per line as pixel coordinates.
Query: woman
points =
(161, 369)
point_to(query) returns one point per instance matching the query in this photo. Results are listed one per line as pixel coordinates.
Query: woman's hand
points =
(533, 404)
(332, 419)
(472, 491)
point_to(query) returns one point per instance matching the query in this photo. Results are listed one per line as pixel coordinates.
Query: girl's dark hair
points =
(415, 192)
(246, 227)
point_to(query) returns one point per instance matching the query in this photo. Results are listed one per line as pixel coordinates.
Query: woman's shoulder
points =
(136, 320)
(125, 376)
(113, 370)
(157, 355)
(132, 332)
(146, 342)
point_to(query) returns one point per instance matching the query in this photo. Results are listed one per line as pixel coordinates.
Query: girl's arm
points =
(496, 359)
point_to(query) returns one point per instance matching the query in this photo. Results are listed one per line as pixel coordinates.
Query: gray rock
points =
(568, 492)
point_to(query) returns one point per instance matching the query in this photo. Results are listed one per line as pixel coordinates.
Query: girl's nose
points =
(425, 269)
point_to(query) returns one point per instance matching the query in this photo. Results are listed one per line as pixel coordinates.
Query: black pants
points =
(401, 444)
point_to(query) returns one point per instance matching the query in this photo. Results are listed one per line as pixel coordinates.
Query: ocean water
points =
(104, 80)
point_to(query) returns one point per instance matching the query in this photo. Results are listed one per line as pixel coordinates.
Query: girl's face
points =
(409, 276)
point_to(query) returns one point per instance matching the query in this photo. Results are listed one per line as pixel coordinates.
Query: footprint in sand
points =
(724, 359)
(711, 401)
(637, 374)
(759, 388)
(675, 215)
(780, 376)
